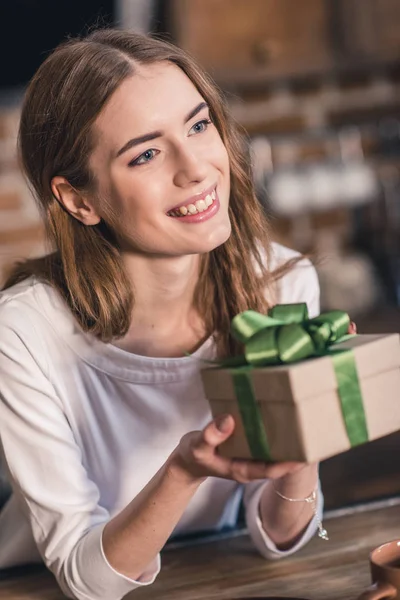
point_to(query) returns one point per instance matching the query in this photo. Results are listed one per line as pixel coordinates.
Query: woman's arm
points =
(285, 522)
(60, 502)
(134, 537)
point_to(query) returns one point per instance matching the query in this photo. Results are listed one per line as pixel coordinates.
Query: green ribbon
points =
(286, 335)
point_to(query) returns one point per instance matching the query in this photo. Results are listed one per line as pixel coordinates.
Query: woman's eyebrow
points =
(147, 137)
(196, 111)
(138, 140)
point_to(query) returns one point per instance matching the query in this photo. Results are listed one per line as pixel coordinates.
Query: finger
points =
(217, 431)
(352, 328)
(248, 470)
(204, 445)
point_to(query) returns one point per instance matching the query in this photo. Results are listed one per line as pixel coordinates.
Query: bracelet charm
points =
(311, 499)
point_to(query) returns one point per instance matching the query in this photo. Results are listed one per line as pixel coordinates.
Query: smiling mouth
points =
(194, 208)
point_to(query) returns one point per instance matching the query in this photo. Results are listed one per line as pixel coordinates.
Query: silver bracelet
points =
(311, 499)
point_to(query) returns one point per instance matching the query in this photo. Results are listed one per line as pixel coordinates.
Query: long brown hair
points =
(55, 138)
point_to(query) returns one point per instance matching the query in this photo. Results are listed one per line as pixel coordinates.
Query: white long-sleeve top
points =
(85, 425)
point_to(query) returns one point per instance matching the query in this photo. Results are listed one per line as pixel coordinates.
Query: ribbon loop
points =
(249, 323)
(290, 313)
(286, 334)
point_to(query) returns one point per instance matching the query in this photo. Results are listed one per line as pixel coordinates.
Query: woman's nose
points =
(190, 168)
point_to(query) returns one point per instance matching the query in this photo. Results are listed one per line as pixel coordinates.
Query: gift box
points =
(345, 391)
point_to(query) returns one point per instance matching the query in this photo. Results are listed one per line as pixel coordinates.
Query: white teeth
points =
(193, 209)
(201, 205)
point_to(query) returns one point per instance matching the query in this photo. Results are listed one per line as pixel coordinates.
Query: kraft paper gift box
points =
(300, 412)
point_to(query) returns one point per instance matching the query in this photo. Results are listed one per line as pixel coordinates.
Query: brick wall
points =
(21, 232)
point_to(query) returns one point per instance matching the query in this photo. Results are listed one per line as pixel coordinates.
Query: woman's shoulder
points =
(16, 299)
(22, 294)
(30, 302)
(300, 283)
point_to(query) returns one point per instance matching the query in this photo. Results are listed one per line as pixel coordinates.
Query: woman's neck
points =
(164, 322)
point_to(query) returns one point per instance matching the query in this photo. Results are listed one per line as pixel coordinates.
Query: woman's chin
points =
(214, 239)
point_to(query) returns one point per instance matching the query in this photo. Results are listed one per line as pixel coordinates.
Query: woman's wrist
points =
(177, 469)
(285, 521)
(311, 499)
(299, 484)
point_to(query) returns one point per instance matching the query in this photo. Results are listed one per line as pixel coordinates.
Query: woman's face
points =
(162, 166)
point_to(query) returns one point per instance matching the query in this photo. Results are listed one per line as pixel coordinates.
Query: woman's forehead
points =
(152, 98)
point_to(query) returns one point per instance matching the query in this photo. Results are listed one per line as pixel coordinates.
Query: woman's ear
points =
(74, 202)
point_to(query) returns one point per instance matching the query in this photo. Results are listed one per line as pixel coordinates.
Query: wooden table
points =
(230, 568)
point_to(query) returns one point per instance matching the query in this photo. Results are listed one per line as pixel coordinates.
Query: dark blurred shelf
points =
(382, 320)
(264, 77)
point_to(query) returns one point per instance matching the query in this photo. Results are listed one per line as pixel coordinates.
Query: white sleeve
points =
(299, 285)
(44, 462)
(263, 543)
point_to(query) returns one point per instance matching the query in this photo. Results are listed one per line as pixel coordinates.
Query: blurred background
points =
(316, 86)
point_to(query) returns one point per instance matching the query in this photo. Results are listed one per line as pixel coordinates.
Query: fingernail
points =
(222, 422)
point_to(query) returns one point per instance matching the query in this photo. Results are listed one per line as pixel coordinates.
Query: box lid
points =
(293, 383)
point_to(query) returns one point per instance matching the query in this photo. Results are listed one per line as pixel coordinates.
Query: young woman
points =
(157, 242)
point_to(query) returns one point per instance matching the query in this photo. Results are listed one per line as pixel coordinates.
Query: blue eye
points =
(201, 126)
(145, 157)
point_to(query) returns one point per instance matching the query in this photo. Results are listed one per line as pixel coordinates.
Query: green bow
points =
(287, 335)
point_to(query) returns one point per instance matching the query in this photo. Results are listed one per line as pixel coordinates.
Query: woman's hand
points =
(197, 456)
